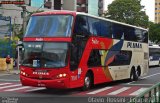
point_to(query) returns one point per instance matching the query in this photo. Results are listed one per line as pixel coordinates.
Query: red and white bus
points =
(65, 49)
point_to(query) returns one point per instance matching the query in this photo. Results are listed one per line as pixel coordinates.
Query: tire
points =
(134, 75)
(49, 89)
(131, 76)
(159, 64)
(87, 82)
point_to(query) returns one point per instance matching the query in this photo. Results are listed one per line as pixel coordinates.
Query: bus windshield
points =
(44, 54)
(49, 26)
(154, 53)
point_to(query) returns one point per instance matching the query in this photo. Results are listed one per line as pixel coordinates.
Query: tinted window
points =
(105, 29)
(129, 34)
(99, 27)
(94, 26)
(49, 26)
(122, 58)
(139, 35)
(81, 25)
(117, 31)
(94, 58)
(145, 36)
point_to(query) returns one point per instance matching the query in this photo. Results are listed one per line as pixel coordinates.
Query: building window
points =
(57, 4)
(155, 18)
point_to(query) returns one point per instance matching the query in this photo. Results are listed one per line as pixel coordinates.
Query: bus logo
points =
(95, 41)
(134, 45)
(39, 39)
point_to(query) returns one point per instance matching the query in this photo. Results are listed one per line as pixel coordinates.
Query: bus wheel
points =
(131, 75)
(87, 82)
(159, 64)
(134, 75)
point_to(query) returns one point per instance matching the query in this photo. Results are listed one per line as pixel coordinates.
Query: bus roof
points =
(102, 18)
(55, 12)
(154, 46)
(85, 14)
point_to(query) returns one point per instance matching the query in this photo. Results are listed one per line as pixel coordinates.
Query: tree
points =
(127, 11)
(154, 32)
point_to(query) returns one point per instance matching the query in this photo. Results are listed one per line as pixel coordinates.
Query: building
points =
(94, 7)
(157, 11)
(20, 14)
(15, 11)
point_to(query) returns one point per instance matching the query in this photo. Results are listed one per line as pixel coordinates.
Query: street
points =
(11, 89)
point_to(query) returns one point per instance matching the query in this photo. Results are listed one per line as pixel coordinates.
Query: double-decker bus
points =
(65, 49)
(154, 55)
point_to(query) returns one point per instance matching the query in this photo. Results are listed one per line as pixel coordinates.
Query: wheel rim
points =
(137, 73)
(87, 82)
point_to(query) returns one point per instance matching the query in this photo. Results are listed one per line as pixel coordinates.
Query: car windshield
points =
(45, 54)
(49, 26)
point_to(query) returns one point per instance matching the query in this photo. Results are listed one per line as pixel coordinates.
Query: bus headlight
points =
(64, 75)
(23, 73)
(61, 75)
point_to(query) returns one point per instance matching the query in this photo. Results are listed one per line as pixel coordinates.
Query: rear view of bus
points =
(64, 49)
(154, 55)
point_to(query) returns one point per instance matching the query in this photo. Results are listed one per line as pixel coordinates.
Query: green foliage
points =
(154, 32)
(7, 47)
(20, 34)
(128, 11)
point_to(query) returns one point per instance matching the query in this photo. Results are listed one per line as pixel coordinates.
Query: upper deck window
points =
(49, 26)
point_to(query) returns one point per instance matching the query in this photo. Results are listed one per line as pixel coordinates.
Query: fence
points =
(152, 95)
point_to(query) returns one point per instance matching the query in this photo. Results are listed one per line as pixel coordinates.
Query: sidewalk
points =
(14, 71)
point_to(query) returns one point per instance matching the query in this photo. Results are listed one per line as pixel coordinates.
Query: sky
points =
(149, 7)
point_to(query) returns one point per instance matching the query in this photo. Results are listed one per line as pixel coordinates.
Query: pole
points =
(10, 34)
(18, 58)
(24, 19)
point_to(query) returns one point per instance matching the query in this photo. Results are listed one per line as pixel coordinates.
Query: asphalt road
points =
(11, 91)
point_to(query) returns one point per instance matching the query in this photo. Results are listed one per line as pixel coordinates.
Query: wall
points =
(69, 5)
(3, 65)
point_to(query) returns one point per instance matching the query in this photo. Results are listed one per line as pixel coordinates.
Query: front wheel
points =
(87, 82)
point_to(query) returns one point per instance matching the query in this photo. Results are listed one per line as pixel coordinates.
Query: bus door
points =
(76, 53)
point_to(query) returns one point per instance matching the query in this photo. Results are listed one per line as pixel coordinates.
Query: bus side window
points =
(81, 26)
(145, 36)
(93, 26)
(117, 31)
(122, 58)
(129, 34)
(99, 27)
(105, 29)
(73, 56)
(94, 58)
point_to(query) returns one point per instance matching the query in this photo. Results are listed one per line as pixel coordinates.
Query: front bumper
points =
(61, 83)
